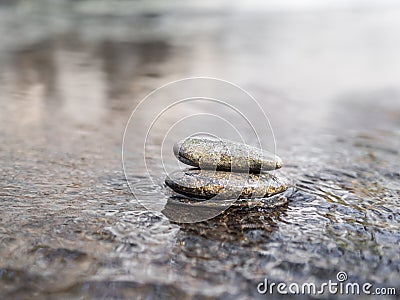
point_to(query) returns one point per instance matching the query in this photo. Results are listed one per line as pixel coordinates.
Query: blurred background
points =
(326, 72)
(102, 56)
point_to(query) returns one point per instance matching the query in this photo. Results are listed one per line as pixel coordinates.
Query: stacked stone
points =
(224, 170)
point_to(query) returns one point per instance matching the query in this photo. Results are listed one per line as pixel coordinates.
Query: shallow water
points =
(70, 76)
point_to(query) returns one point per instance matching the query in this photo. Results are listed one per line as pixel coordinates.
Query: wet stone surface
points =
(224, 155)
(225, 185)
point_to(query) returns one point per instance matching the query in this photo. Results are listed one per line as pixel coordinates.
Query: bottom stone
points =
(206, 184)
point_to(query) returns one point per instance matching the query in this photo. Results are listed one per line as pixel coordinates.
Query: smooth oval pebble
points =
(224, 155)
(208, 184)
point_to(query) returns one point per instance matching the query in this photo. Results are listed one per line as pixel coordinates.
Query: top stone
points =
(224, 155)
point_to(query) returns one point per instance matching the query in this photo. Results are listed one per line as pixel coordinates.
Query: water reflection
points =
(35, 65)
(243, 225)
(58, 76)
(124, 62)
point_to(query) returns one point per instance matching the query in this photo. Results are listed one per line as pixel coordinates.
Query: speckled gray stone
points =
(224, 155)
(208, 184)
